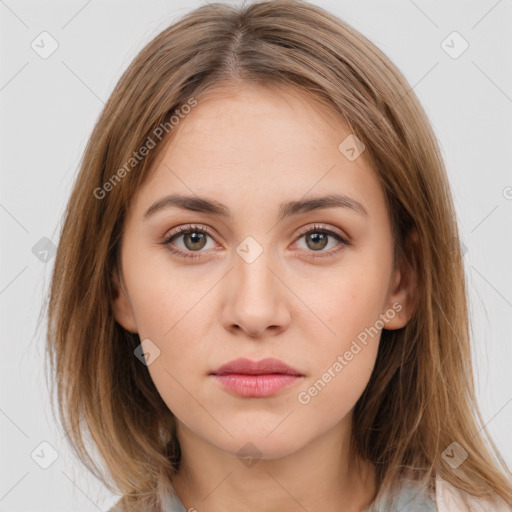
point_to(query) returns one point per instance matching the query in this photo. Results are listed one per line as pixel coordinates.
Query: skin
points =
(251, 148)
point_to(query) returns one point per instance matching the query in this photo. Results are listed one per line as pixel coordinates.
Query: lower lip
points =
(256, 385)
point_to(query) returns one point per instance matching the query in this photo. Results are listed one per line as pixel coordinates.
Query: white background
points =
(47, 111)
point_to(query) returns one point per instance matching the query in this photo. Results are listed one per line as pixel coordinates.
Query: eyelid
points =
(188, 227)
(185, 229)
(323, 227)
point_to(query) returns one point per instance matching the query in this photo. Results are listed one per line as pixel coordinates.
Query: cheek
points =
(351, 304)
(181, 394)
(164, 299)
(346, 350)
(341, 371)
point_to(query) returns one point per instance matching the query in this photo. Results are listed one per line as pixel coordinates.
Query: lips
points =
(267, 366)
(256, 379)
(262, 379)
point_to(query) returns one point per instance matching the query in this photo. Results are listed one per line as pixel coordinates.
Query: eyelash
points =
(200, 229)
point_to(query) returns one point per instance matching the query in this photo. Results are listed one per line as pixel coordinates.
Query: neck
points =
(319, 476)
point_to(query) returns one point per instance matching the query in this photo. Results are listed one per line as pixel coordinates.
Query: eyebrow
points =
(286, 209)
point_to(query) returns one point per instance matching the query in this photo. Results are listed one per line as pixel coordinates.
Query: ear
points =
(403, 293)
(121, 306)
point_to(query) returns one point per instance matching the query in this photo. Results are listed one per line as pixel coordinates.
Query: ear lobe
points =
(404, 290)
(121, 306)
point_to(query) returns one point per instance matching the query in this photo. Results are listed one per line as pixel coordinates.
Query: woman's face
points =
(270, 279)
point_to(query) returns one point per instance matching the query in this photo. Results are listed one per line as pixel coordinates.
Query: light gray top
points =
(409, 498)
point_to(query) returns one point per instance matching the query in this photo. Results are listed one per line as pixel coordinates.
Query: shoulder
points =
(449, 498)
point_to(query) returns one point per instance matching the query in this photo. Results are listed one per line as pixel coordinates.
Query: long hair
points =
(421, 396)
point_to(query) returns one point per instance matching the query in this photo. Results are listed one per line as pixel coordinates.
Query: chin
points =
(255, 444)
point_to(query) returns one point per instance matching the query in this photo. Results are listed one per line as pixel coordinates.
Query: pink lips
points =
(256, 379)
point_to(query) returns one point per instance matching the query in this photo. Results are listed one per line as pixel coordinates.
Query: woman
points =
(258, 298)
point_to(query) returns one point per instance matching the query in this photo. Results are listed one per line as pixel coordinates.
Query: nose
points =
(255, 300)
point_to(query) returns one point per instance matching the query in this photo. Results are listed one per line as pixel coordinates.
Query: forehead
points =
(261, 122)
(256, 144)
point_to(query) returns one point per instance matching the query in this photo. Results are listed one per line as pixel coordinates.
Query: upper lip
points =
(263, 367)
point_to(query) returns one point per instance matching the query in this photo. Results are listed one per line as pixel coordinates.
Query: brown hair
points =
(421, 395)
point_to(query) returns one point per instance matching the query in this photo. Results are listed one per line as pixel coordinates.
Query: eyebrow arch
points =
(286, 209)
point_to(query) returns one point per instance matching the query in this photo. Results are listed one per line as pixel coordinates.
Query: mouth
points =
(247, 378)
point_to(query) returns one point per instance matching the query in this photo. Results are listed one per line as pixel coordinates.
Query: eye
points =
(316, 238)
(194, 238)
